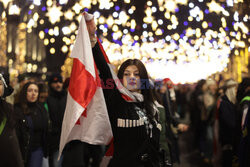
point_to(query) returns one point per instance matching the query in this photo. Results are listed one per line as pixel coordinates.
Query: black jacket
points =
(31, 129)
(56, 104)
(10, 154)
(227, 121)
(132, 145)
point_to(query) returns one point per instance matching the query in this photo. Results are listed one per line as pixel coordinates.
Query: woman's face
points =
(1, 88)
(204, 87)
(32, 93)
(131, 78)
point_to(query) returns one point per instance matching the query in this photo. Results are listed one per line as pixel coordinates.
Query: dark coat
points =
(56, 104)
(227, 121)
(31, 129)
(10, 155)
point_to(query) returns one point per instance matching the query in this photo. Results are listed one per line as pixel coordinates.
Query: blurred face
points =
(204, 87)
(57, 86)
(213, 88)
(43, 96)
(32, 93)
(1, 88)
(131, 78)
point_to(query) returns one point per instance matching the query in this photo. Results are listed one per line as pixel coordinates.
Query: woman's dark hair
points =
(145, 87)
(199, 85)
(23, 97)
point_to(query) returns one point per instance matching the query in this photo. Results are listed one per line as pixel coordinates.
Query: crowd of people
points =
(218, 116)
(145, 129)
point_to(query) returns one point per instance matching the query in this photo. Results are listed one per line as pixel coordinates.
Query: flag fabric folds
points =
(86, 118)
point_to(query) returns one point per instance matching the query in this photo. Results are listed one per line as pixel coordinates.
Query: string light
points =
(155, 41)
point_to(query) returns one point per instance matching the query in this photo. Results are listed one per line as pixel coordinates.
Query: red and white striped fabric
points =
(86, 118)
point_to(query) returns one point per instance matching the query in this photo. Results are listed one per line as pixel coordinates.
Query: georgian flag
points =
(86, 118)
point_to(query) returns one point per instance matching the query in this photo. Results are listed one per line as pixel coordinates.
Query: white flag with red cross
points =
(86, 118)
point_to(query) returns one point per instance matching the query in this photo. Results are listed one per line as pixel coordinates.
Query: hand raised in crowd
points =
(91, 26)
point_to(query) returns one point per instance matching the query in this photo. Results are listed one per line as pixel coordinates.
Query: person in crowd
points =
(10, 154)
(243, 97)
(43, 95)
(164, 140)
(207, 107)
(195, 107)
(56, 105)
(168, 83)
(44, 92)
(182, 100)
(32, 124)
(227, 121)
(136, 142)
(174, 126)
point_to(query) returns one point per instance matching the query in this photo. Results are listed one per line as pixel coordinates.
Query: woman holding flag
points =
(131, 109)
(101, 105)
